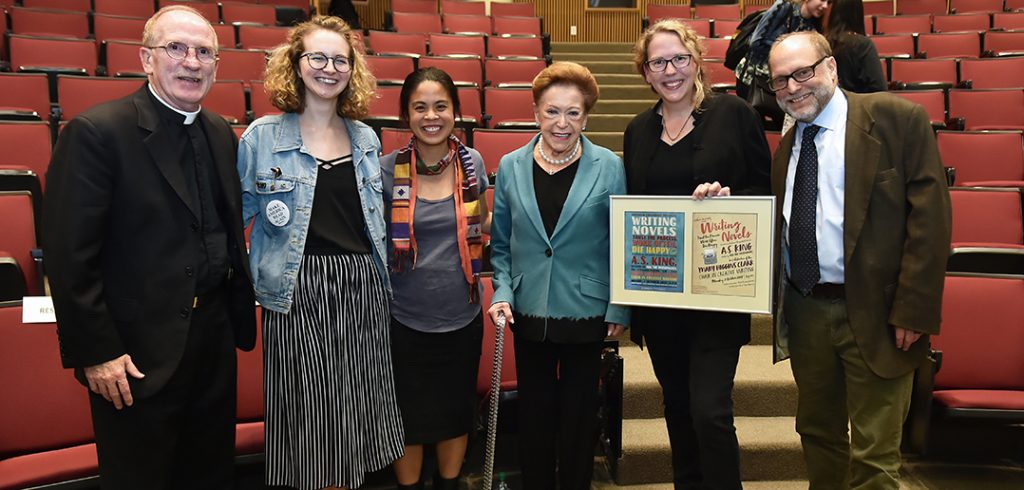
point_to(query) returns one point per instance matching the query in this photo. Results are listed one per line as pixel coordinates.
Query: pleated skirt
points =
(331, 415)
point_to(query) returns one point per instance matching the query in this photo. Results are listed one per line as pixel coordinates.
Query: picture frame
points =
(676, 252)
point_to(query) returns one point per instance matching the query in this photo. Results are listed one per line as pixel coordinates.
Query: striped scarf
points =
(468, 212)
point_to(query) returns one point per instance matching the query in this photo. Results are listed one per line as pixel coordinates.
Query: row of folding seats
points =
(979, 73)
(938, 7)
(467, 7)
(909, 24)
(216, 12)
(972, 110)
(983, 158)
(416, 44)
(950, 45)
(477, 24)
(392, 70)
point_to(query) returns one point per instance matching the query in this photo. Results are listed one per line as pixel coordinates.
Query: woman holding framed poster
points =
(693, 142)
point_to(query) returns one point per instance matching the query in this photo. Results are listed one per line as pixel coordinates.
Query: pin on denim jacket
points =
(278, 180)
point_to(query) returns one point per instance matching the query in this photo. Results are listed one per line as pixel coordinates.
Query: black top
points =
(857, 62)
(552, 190)
(727, 144)
(206, 196)
(336, 224)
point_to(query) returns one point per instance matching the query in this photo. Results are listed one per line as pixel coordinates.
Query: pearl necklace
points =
(570, 157)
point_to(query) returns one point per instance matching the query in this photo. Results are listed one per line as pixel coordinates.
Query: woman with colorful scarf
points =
(549, 249)
(437, 216)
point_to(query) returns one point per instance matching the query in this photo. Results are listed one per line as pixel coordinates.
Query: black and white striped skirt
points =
(331, 414)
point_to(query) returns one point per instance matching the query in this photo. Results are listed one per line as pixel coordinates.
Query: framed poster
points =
(675, 252)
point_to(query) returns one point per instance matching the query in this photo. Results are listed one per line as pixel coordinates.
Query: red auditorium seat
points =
(457, 45)
(122, 58)
(247, 12)
(511, 9)
(416, 22)
(988, 109)
(903, 24)
(1008, 43)
(961, 23)
(20, 235)
(77, 94)
(987, 217)
(463, 7)
(225, 35)
(723, 28)
(43, 22)
(384, 42)
(227, 98)
(922, 74)
(716, 48)
(496, 143)
(949, 45)
(1008, 20)
(464, 71)
(210, 10)
(385, 104)
(468, 24)
(261, 37)
(390, 69)
(73, 5)
(508, 108)
(512, 73)
(260, 101)
(22, 94)
(968, 6)
(1014, 5)
(701, 26)
(726, 11)
(110, 27)
(34, 54)
(524, 47)
(657, 11)
(49, 440)
(414, 6)
(984, 158)
(249, 428)
(933, 101)
(894, 46)
(241, 64)
(470, 101)
(517, 26)
(911, 7)
(992, 72)
(720, 78)
(28, 145)
(508, 351)
(884, 7)
(127, 8)
(773, 137)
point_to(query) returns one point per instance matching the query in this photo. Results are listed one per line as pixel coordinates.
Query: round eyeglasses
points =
(679, 61)
(179, 51)
(318, 61)
(801, 75)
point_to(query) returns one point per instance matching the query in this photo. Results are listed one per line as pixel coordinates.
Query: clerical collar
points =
(190, 117)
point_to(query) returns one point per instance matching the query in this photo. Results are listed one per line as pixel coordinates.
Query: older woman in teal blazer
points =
(549, 240)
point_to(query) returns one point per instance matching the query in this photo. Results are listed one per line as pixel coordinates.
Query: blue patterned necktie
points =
(803, 244)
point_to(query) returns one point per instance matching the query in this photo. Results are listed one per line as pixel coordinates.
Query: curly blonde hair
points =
(690, 40)
(285, 87)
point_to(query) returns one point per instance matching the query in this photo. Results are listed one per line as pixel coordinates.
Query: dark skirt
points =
(435, 380)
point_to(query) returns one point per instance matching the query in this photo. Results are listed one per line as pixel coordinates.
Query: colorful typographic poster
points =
(724, 254)
(654, 251)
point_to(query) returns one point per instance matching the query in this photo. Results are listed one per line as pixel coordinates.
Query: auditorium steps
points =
(764, 394)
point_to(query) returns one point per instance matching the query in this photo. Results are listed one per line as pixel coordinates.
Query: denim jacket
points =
(278, 178)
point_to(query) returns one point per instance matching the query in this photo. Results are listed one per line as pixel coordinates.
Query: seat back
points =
(26, 91)
(937, 71)
(716, 47)
(1006, 43)
(127, 8)
(390, 69)
(77, 94)
(989, 216)
(261, 37)
(414, 6)
(993, 72)
(259, 100)
(475, 24)
(246, 12)
(949, 45)
(723, 11)
(73, 5)
(417, 22)
(108, 27)
(384, 42)
(496, 143)
(122, 58)
(508, 351)
(720, 77)
(658, 11)
(530, 47)
(981, 157)
(43, 22)
(894, 45)
(883, 7)
(464, 71)
(225, 35)
(512, 9)
(58, 415)
(512, 72)
(470, 100)
(31, 53)
(988, 109)
(517, 26)
(701, 26)
(386, 103)
(726, 28)
(450, 44)
(463, 7)
(911, 7)
(227, 98)
(903, 24)
(241, 64)
(210, 10)
(966, 6)
(981, 334)
(961, 23)
(508, 105)
(28, 145)
(1008, 20)
(20, 235)
(933, 101)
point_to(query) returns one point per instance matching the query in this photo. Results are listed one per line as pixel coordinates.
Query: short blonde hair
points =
(286, 88)
(567, 73)
(691, 41)
(148, 36)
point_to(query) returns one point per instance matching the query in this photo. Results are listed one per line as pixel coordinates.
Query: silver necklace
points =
(681, 128)
(568, 158)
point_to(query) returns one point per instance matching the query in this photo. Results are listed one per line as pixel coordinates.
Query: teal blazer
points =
(566, 276)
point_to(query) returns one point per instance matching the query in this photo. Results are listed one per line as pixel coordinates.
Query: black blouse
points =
(552, 190)
(336, 224)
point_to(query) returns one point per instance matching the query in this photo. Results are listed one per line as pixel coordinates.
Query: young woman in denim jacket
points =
(311, 178)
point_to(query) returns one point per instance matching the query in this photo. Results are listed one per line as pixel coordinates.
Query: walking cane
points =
(492, 419)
